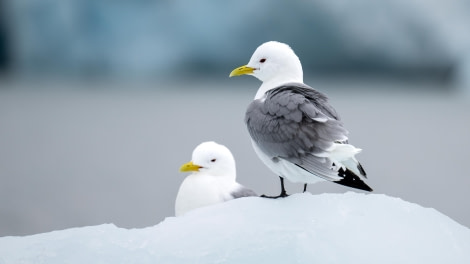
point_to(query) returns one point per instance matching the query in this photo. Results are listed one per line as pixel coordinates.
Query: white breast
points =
(197, 191)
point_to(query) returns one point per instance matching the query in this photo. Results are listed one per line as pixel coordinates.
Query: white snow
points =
(303, 228)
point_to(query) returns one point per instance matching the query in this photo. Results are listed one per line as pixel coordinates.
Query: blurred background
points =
(102, 101)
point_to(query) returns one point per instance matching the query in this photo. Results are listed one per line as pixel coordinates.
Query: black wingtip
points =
(361, 170)
(352, 180)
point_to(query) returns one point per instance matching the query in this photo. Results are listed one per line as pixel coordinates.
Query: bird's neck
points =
(227, 176)
(276, 82)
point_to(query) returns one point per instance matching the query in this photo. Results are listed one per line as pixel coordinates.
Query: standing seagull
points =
(212, 180)
(293, 128)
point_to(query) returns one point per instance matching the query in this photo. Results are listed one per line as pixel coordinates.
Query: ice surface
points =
(303, 228)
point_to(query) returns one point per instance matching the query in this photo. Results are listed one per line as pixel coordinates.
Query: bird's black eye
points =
(213, 160)
(262, 60)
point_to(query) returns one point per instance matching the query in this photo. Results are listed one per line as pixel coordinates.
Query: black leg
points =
(305, 187)
(283, 191)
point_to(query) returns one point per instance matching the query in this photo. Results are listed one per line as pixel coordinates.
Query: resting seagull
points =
(293, 128)
(212, 180)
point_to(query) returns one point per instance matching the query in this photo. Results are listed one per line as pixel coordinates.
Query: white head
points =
(274, 63)
(212, 159)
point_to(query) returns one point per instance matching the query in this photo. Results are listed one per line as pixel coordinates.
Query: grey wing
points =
(242, 191)
(294, 123)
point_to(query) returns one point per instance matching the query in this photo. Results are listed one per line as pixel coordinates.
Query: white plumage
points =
(213, 179)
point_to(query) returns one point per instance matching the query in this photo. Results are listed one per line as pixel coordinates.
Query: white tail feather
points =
(342, 155)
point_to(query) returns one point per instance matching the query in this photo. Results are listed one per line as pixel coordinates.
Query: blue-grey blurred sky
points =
(102, 101)
(159, 39)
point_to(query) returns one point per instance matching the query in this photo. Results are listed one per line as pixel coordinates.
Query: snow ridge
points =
(303, 228)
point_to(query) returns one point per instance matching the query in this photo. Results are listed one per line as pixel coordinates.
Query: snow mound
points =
(303, 228)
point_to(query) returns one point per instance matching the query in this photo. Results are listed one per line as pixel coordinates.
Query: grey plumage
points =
(294, 122)
(242, 191)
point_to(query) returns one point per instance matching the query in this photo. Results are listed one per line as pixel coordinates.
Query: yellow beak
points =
(190, 166)
(242, 71)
